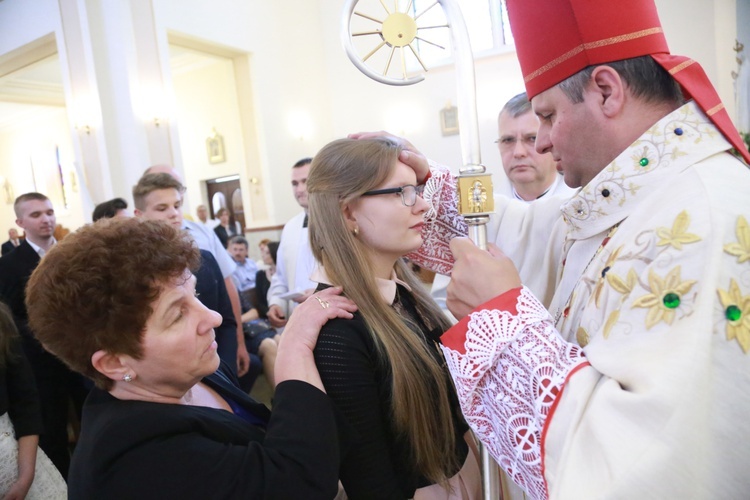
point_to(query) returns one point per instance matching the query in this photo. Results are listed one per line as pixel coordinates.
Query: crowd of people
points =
(598, 348)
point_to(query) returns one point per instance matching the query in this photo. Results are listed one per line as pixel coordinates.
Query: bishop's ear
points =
(609, 88)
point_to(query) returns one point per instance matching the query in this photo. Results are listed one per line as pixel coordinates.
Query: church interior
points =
(93, 92)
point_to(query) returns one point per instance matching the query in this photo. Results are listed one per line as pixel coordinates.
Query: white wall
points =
(29, 160)
(287, 75)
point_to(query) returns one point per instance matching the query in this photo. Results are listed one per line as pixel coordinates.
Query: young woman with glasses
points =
(383, 368)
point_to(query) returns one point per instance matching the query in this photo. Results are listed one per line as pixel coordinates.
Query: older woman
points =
(116, 301)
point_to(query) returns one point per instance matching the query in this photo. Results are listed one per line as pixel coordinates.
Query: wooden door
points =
(226, 193)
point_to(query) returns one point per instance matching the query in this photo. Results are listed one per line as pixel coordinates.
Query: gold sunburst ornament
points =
(398, 31)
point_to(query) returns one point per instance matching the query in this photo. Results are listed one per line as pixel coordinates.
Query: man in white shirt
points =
(295, 263)
(532, 175)
(202, 212)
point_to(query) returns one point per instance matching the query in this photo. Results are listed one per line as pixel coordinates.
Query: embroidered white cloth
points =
(649, 272)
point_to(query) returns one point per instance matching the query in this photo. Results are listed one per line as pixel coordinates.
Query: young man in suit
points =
(36, 216)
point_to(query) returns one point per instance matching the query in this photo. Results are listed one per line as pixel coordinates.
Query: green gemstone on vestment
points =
(671, 300)
(733, 313)
(643, 162)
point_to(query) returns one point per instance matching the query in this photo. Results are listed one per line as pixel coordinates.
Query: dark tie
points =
(304, 223)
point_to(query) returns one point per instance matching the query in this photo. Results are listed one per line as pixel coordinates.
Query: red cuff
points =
(426, 177)
(455, 337)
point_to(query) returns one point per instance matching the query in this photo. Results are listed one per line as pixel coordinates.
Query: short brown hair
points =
(95, 289)
(150, 183)
(27, 197)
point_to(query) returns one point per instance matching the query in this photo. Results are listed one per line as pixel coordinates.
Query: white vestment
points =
(635, 384)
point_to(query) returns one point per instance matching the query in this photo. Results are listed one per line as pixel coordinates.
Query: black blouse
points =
(379, 464)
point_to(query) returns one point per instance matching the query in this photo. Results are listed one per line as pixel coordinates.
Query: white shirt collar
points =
(387, 287)
(39, 250)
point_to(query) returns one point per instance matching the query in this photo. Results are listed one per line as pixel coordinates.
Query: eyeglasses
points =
(408, 193)
(509, 142)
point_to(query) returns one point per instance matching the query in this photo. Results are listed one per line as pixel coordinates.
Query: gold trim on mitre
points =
(592, 45)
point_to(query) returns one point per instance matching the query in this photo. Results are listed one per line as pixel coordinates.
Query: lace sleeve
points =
(442, 222)
(509, 366)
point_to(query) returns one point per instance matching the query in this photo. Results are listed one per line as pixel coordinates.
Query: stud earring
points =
(355, 231)
(127, 377)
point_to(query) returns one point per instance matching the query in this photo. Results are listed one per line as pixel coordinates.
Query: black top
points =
(15, 271)
(224, 235)
(379, 464)
(18, 394)
(143, 450)
(262, 285)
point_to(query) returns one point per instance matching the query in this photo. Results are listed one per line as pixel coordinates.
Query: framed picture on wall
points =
(215, 147)
(449, 120)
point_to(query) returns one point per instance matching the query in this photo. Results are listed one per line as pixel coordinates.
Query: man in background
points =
(13, 241)
(116, 207)
(244, 273)
(36, 216)
(295, 262)
(532, 175)
(207, 240)
(202, 212)
(159, 197)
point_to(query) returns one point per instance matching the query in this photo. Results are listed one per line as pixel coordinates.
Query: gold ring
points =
(323, 303)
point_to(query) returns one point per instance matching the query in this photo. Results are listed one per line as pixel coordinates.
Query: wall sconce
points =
(83, 128)
(300, 125)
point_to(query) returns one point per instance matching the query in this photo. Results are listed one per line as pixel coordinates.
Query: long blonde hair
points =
(340, 173)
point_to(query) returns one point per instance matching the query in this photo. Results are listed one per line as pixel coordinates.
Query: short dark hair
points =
(221, 211)
(27, 197)
(95, 289)
(643, 76)
(238, 240)
(108, 209)
(302, 162)
(153, 182)
(517, 105)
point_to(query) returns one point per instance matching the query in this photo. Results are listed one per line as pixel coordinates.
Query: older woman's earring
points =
(127, 377)
(355, 231)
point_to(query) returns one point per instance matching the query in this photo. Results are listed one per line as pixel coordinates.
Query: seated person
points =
(243, 275)
(166, 419)
(268, 251)
(259, 335)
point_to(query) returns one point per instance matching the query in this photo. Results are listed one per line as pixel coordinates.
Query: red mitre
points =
(556, 39)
